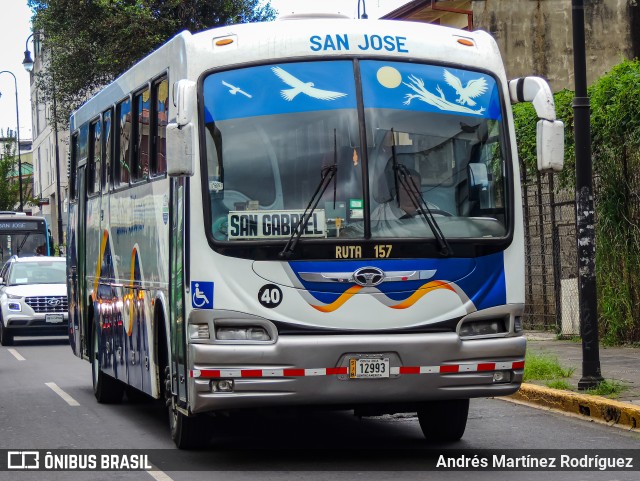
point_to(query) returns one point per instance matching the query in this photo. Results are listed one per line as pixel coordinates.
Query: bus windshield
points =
(22, 236)
(433, 140)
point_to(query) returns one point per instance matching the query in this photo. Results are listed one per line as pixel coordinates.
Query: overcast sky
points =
(14, 29)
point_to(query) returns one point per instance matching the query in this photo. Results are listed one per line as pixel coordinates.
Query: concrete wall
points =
(535, 36)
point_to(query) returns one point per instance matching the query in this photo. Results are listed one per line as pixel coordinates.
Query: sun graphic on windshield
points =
(389, 77)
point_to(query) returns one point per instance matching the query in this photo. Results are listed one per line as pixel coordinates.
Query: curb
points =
(596, 408)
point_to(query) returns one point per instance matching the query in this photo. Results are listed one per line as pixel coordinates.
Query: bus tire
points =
(6, 338)
(444, 420)
(189, 432)
(106, 389)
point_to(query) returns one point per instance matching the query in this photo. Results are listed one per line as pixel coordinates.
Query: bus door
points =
(177, 290)
(81, 267)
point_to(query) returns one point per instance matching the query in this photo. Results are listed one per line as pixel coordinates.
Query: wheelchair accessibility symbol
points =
(202, 295)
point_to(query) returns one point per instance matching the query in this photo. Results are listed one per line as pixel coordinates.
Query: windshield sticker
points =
(306, 88)
(236, 90)
(279, 89)
(429, 88)
(474, 88)
(272, 224)
(216, 186)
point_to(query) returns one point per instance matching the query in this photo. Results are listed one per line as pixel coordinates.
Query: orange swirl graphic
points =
(410, 301)
(103, 245)
(344, 297)
(425, 289)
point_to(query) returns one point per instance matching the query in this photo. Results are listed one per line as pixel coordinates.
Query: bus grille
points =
(47, 303)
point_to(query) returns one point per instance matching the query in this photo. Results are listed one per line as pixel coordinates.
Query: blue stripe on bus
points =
(482, 278)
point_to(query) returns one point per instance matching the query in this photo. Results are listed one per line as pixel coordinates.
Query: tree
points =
(9, 187)
(89, 43)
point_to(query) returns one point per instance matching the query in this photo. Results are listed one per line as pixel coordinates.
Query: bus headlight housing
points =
(238, 333)
(199, 331)
(482, 327)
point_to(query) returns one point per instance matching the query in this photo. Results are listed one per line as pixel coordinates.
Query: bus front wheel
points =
(106, 389)
(444, 420)
(187, 432)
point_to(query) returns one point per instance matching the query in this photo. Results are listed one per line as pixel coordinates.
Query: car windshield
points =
(272, 132)
(37, 273)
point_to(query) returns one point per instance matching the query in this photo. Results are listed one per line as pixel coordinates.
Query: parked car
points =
(33, 297)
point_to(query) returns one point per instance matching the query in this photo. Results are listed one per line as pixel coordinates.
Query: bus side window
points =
(160, 95)
(73, 164)
(140, 157)
(95, 156)
(107, 149)
(121, 166)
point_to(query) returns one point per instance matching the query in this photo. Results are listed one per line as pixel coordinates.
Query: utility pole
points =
(585, 214)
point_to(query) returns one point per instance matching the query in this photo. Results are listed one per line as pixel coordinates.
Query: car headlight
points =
(13, 296)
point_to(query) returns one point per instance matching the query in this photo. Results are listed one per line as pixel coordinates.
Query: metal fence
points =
(550, 257)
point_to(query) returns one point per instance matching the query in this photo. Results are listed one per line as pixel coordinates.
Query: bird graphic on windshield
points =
(474, 88)
(235, 90)
(299, 87)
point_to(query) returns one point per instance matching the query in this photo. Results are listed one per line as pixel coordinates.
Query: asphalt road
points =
(47, 402)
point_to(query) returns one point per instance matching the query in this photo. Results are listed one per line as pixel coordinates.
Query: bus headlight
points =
(236, 333)
(482, 327)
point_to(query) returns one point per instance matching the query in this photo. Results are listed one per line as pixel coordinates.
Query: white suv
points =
(33, 297)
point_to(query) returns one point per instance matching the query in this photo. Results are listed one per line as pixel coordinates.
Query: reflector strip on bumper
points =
(333, 371)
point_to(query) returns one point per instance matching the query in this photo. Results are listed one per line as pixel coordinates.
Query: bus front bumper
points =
(314, 370)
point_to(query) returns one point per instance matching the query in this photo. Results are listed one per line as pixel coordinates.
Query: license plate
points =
(54, 318)
(368, 368)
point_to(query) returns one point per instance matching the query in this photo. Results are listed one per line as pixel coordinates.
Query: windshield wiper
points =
(327, 174)
(402, 175)
(22, 243)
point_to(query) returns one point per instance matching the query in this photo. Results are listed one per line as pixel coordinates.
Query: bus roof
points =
(189, 55)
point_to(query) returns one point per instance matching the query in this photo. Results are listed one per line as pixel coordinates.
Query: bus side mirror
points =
(180, 160)
(550, 145)
(184, 99)
(549, 131)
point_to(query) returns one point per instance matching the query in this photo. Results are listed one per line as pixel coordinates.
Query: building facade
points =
(46, 152)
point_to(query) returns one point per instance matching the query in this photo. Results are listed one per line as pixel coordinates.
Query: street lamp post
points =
(28, 66)
(585, 215)
(18, 137)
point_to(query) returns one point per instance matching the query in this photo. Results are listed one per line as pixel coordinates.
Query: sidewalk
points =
(621, 364)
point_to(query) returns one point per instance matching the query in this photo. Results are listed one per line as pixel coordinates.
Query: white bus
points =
(308, 212)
